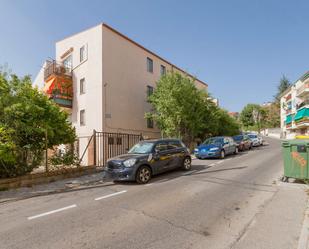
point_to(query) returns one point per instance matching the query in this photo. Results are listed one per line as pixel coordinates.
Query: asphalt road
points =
(209, 207)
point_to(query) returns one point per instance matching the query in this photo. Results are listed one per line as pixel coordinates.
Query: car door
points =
(177, 152)
(247, 141)
(232, 145)
(162, 157)
(226, 146)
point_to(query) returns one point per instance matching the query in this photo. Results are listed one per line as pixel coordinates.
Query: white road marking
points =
(220, 162)
(213, 164)
(189, 173)
(51, 212)
(149, 184)
(110, 195)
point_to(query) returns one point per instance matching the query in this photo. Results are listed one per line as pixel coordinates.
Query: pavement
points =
(237, 202)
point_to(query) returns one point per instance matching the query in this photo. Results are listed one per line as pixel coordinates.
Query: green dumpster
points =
(295, 155)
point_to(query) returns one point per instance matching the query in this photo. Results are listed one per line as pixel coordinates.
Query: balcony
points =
(303, 91)
(58, 83)
(53, 68)
(302, 117)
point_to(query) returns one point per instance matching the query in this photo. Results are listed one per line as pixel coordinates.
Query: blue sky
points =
(240, 48)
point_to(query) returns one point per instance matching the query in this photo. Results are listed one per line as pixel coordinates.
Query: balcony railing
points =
(287, 98)
(303, 90)
(55, 68)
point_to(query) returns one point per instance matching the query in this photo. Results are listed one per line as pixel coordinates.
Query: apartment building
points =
(103, 79)
(294, 108)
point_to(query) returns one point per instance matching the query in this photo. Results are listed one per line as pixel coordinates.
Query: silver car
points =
(255, 140)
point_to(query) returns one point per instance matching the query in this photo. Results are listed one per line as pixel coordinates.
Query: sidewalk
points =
(70, 184)
(280, 224)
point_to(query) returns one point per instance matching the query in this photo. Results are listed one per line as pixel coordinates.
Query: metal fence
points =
(98, 148)
(107, 145)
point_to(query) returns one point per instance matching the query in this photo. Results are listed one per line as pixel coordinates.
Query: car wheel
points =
(236, 151)
(143, 175)
(187, 163)
(222, 154)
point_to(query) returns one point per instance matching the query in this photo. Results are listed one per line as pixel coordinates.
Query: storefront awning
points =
(49, 86)
(302, 114)
(288, 119)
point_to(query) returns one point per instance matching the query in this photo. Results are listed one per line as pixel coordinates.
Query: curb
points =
(304, 235)
(58, 191)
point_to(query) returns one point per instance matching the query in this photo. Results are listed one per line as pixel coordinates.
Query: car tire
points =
(222, 154)
(236, 151)
(186, 164)
(143, 175)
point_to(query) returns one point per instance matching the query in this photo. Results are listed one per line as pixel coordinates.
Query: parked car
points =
(148, 158)
(216, 147)
(255, 140)
(261, 140)
(243, 142)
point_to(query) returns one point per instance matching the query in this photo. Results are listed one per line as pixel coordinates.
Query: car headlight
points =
(130, 162)
(214, 149)
(195, 150)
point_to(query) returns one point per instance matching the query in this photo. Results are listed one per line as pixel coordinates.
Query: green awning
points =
(302, 114)
(288, 119)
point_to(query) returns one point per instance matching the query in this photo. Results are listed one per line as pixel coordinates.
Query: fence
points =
(101, 146)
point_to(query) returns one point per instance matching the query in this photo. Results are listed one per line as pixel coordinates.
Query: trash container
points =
(295, 156)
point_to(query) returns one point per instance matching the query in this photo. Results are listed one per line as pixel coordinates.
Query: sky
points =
(240, 48)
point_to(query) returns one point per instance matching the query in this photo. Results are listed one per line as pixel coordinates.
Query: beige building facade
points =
(112, 77)
(294, 109)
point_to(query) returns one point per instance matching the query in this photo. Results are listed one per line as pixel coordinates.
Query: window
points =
(163, 70)
(82, 117)
(149, 65)
(119, 140)
(67, 62)
(161, 147)
(174, 145)
(149, 123)
(82, 53)
(149, 91)
(110, 140)
(82, 86)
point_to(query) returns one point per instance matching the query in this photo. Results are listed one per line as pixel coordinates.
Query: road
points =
(209, 207)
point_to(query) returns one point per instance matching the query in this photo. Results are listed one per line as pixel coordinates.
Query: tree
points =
(183, 111)
(226, 125)
(283, 85)
(251, 116)
(26, 115)
(271, 117)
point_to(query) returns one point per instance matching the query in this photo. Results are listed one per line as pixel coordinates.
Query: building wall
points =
(125, 79)
(90, 69)
(291, 132)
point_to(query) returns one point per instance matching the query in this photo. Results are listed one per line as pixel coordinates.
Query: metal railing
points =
(108, 145)
(303, 88)
(53, 67)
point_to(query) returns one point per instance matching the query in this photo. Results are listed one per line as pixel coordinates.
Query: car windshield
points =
(213, 140)
(252, 136)
(238, 138)
(141, 148)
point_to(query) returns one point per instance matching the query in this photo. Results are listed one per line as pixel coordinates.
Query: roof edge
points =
(149, 51)
(137, 44)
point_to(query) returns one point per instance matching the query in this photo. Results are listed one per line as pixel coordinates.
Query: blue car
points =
(216, 147)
